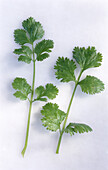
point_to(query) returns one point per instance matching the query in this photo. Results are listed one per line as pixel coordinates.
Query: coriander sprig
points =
(65, 68)
(32, 52)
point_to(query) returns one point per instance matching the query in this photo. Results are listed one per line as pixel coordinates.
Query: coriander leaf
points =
(39, 91)
(27, 57)
(87, 58)
(19, 94)
(34, 29)
(41, 99)
(49, 91)
(65, 69)
(21, 85)
(52, 116)
(23, 50)
(21, 36)
(43, 48)
(91, 85)
(77, 127)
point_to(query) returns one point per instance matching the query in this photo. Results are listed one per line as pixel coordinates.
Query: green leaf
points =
(52, 116)
(19, 94)
(65, 69)
(27, 57)
(23, 50)
(21, 36)
(43, 48)
(40, 99)
(91, 85)
(22, 86)
(77, 127)
(87, 58)
(49, 91)
(39, 91)
(33, 28)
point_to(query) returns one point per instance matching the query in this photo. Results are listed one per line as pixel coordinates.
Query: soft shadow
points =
(37, 123)
(79, 93)
(12, 65)
(52, 74)
(10, 93)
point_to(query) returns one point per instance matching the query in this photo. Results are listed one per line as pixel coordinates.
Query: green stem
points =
(30, 107)
(64, 124)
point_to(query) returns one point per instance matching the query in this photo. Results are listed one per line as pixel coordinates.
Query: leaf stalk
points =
(30, 107)
(67, 114)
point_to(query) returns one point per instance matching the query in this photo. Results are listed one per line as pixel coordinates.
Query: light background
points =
(69, 23)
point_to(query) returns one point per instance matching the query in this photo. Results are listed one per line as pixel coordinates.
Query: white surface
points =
(69, 23)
